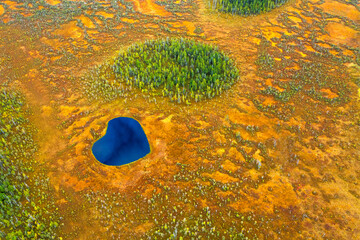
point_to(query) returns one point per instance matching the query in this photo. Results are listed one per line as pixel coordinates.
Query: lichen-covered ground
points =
(275, 157)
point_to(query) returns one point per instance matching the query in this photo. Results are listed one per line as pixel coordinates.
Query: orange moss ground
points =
(306, 183)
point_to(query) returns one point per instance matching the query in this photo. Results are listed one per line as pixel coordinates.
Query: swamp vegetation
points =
(270, 152)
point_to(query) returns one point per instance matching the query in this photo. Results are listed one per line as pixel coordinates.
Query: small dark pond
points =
(124, 142)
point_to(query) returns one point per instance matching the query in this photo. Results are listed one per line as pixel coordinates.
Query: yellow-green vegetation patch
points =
(246, 7)
(23, 212)
(181, 69)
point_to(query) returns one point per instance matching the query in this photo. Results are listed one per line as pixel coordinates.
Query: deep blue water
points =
(124, 142)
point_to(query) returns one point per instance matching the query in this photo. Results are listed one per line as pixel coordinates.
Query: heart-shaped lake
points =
(124, 142)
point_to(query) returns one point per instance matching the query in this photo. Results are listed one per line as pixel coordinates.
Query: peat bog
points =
(261, 142)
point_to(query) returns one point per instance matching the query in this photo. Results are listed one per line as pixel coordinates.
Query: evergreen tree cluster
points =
(246, 7)
(181, 69)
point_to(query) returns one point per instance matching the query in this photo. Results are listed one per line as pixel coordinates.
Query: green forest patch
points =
(180, 69)
(246, 7)
(25, 212)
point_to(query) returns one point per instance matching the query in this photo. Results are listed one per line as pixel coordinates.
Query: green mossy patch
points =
(181, 69)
